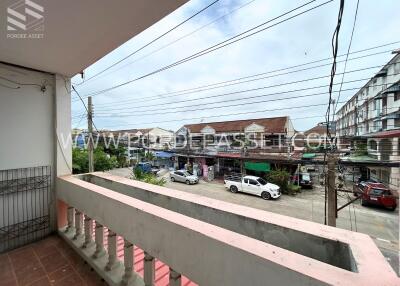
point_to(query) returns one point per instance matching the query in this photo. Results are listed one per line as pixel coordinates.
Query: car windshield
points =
(186, 173)
(306, 177)
(262, 181)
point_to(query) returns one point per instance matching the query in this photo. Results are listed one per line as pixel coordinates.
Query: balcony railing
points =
(208, 241)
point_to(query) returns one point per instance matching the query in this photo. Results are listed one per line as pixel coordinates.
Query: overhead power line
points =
(84, 104)
(222, 106)
(225, 115)
(347, 56)
(251, 78)
(244, 91)
(220, 45)
(176, 40)
(153, 41)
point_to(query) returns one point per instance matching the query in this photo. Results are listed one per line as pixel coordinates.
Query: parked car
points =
(375, 194)
(146, 167)
(303, 179)
(184, 177)
(252, 185)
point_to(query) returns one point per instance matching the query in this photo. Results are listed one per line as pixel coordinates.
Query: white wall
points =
(26, 119)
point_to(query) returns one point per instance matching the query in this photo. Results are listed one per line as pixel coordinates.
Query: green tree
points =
(150, 156)
(102, 161)
(279, 177)
(119, 153)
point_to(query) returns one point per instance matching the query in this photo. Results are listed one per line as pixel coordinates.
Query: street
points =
(382, 225)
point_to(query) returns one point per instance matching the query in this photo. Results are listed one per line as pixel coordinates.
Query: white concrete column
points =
(128, 263)
(174, 278)
(62, 121)
(78, 224)
(99, 240)
(70, 219)
(112, 251)
(88, 232)
(149, 269)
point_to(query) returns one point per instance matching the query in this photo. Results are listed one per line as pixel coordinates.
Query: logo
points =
(25, 19)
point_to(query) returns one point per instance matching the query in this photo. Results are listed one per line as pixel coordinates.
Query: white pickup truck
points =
(252, 185)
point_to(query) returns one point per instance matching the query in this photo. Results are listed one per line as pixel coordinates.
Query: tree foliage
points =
(102, 161)
(149, 178)
(279, 177)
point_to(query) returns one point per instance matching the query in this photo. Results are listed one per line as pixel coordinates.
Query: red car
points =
(376, 194)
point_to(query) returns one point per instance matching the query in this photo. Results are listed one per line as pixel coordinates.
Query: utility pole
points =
(332, 195)
(90, 129)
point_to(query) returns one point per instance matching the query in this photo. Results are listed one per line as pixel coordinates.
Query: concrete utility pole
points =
(332, 201)
(90, 129)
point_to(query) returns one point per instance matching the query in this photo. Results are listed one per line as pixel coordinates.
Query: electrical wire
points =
(335, 46)
(177, 40)
(153, 41)
(218, 46)
(347, 56)
(224, 115)
(241, 80)
(239, 92)
(225, 106)
(87, 110)
(157, 97)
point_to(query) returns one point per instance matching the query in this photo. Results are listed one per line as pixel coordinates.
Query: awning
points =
(261, 167)
(308, 155)
(393, 88)
(162, 154)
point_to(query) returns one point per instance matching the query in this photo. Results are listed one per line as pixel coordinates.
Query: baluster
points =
(88, 232)
(78, 224)
(112, 251)
(99, 240)
(174, 278)
(128, 262)
(70, 219)
(149, 269)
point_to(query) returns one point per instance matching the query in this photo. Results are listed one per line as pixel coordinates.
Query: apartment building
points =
(375, 107)
(372, 116)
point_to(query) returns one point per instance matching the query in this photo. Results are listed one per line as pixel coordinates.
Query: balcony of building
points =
(184, 239)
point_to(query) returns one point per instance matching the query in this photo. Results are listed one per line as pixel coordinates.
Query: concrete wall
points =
(35, 127)
(26, 119)
(328, 251)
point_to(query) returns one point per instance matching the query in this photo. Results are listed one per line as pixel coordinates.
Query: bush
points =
(147, 178)
(280, 178)
(293, 189)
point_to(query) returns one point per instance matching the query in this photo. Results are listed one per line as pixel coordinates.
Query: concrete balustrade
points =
(211, 254)
(99, 241)
(128, 263)
(112, 251)
(70, 218)
(78, 225)
(88, 232)
(149, 269)
(175, 279)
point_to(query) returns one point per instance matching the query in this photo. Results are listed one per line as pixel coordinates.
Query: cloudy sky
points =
(151, 101)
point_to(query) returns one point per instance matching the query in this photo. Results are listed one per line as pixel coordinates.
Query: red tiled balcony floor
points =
(52, 261)
(47, 262)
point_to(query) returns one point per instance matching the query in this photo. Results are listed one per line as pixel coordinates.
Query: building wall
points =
(26, 119)
(363, 113)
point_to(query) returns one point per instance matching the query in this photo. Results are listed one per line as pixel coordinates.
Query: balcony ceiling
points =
(77, 34)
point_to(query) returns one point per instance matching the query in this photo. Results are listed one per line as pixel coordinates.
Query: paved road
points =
(382, 225)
